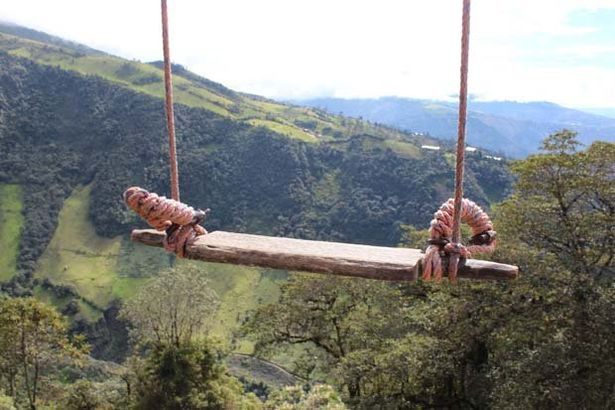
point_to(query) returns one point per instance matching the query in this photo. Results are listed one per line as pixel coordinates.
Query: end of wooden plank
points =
(478, 269)
(487, 270)
(149, 237)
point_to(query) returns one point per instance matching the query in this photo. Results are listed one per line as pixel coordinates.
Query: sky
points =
(523, 50)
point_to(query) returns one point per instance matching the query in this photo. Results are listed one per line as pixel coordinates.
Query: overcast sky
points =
(547, 50)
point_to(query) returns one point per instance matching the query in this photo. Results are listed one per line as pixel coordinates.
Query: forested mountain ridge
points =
(310, 125)
(511, 128)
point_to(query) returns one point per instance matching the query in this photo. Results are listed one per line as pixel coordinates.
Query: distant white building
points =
(471, 149)
(493, 158)
(431, 147)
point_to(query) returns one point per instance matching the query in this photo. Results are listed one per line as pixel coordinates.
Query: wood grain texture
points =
(373, 262)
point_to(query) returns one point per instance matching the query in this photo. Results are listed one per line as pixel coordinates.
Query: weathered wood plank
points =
(373, 262)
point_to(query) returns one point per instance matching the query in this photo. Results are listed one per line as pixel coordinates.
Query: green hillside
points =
(76, 256)
(74, 142)
(11, 220)
(295, 122)
(103, 269)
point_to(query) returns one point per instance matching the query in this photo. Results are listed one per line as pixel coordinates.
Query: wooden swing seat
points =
(334, 258)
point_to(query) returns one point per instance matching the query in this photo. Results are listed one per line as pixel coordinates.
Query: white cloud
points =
(291, 49)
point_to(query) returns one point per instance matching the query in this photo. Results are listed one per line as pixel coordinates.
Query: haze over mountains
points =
(507, 127)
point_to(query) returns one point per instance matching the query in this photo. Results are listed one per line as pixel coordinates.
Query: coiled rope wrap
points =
(441, 232)
(180, 221)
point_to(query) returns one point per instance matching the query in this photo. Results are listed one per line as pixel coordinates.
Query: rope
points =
(442, 244)
(168, 99)
(461, 132)
(180, 221)
(445, 229)
(461, 125)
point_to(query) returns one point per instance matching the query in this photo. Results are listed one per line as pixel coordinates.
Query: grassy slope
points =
(240, 289)
(11, 221)
(147, 79)
(86, 310)
(103, 269)
(76, 256)
(302, 123)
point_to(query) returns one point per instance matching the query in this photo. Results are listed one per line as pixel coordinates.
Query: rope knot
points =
(457, 248)
(178, 220)
(440, 232)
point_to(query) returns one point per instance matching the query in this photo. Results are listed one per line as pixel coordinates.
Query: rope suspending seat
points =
(445, 256)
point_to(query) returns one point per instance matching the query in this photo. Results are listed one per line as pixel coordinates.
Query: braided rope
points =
(168, 100)
(441, 239)
(461, 131)
(180, 221)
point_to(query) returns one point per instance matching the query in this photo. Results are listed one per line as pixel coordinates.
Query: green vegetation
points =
(359, 183)
(308, 125)
(76, 256)
(545, 340)
(138, 76)
(404, 148)
(109, 137)
(328, 190)
(169, 316)
(33, 339)
(513, 129)
(101, 270)
(172, 308)
(11, 220)
(182, 369)
(284, 129)
(190, 376)
(321, 396)
(564, 203)
(244, 289)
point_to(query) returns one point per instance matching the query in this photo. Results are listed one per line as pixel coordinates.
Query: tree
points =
(320, 396)
(33, 337)
(330, 316)
(186, 377)
(6, 402)
(564, 204)
(560, 226)
(181, 369)
(172, 308)
(81, 396)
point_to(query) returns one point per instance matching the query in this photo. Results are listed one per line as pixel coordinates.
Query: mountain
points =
(606, 112)
(511, 128)
(189, 89)
(41, 37)
(77, 127)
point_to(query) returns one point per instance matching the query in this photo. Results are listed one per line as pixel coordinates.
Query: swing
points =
(176, 225)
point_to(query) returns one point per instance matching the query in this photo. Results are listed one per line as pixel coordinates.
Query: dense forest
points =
(546, 340)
